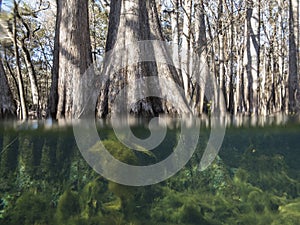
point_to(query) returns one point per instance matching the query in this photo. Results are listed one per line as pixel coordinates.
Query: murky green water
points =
(44, 180)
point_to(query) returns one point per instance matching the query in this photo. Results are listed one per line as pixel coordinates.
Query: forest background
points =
(250, 49)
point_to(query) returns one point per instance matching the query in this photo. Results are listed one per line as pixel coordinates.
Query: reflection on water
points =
(255, 179)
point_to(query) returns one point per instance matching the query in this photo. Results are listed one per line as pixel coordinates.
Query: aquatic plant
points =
(178, 208)
(68, 207)
(269, 173)
(30, 208)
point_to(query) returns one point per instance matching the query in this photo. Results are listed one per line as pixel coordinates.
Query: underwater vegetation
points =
(255, 180)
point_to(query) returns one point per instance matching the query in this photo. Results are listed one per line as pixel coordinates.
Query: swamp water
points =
(44, 180)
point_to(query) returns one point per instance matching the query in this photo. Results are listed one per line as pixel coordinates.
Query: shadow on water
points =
(254, 180)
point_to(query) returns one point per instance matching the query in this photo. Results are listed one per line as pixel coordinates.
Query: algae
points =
(45, 180)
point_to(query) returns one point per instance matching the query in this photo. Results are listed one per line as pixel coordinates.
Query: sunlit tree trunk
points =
(221, 59)
(32, 78)
(201, 71)
(252, 58)
(186, 45)
(175, 33)
(131, 21)
(281, 59)
(28, 61)
(23, 111)
(231, 102)
(74, 57)
(293, 55)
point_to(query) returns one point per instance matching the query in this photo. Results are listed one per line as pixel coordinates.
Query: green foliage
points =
(120, 152)
(178, 208)
(269, 173)
(92, 197)
(289, 214)
(68, 207)
(30, 208)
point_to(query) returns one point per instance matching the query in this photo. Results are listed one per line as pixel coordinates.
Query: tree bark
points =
(293, 79)
(53, 95)
(7, 105)
(29, 64)
(32, 78)
(222, 91)
(186, 50)
(131, 21)
(252, 67)
(201, 51)
(23, 112)
(176, 33)
(73, 60)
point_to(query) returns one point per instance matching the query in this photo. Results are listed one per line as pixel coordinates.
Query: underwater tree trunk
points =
(8, 155)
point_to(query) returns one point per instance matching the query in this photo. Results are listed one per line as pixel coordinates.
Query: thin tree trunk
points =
(32, 78)
(201, 51)
(7, 105)
(175, 33)
(252, 54)
(293, 55)
(232, 45)
(53, 95)
(29, 65)
(221, 59)
(186, 45)
(23, 112)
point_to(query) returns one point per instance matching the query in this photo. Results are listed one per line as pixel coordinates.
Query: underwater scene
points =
(255, 179)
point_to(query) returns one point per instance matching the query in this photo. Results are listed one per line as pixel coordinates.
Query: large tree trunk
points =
(7, 105)
(74, 58)
(129, 22)
(293, 55)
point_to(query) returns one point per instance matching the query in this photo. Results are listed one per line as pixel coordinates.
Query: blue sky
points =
(6, 5)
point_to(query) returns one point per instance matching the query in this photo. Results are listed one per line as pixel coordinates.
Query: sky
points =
(6, 5)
